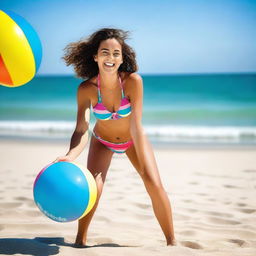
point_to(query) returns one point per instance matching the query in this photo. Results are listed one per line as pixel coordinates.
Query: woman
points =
(115, 92)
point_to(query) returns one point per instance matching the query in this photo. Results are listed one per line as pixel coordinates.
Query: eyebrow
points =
(108, 50)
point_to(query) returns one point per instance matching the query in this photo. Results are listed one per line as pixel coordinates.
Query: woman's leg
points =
(99, 158)
(160, 202)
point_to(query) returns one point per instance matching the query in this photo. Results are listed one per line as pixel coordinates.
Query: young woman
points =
(115, 92)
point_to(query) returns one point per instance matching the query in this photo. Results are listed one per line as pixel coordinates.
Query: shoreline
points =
(155, 144)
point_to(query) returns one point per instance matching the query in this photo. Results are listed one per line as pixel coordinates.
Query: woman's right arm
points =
(80, 135)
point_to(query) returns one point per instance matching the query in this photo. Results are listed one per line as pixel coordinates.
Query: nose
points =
(110, 59)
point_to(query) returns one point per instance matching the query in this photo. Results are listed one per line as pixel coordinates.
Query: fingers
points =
(56, 160)
(59, 159)
(62, 159)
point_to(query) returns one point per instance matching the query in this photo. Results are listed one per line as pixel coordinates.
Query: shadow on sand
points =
(41, 246)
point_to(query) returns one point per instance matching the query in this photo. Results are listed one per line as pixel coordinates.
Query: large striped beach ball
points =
(20, 50)
(64, 191)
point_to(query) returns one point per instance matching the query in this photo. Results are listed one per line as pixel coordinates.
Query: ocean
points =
(177, 109)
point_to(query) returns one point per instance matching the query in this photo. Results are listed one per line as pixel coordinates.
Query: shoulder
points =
(132, 77)
(132, 81)
(86, 91)
(87, 86)
(133, 85)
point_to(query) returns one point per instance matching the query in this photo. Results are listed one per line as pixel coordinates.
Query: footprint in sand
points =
(250, 171)
(239, 242)
(118, 197)
(220, 214)
(201, 194)
(122, 209)
(241, 204)
(194, 183)
(188, 232)
(102, 218)
(143, 206)
(191, 210)
(10, 205)
(187, 201)
(24, 199)
(28, 201)
(247, 210)
(191, 244)
(230, 186)
(223, 221)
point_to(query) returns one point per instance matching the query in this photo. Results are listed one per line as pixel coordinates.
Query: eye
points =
(116, 54)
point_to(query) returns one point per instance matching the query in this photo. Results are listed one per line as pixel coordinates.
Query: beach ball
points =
(20, 50)
(65, 191)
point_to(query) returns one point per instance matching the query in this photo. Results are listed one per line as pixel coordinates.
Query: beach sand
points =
(212, 192)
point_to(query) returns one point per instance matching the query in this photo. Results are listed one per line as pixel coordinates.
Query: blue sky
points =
(176, 36)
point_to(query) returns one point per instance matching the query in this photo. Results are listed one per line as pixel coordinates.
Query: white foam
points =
(202, 133)
(36, 126)
(163, 133)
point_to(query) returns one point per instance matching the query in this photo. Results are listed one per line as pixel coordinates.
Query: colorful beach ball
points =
(64, 191)
(20, 50)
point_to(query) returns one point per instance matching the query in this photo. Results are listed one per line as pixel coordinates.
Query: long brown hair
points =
(80, 54)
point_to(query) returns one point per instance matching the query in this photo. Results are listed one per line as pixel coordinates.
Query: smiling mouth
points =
(109, 65)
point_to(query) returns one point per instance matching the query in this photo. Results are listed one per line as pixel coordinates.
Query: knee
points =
(152, 184)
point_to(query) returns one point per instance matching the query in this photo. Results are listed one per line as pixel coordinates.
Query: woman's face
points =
(109, 55)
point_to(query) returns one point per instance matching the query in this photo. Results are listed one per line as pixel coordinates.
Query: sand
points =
(212, 192)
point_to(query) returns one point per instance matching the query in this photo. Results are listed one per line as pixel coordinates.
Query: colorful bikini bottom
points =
(115, 147)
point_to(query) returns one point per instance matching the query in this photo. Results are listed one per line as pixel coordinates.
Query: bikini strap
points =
(121, 85)
(99, 96)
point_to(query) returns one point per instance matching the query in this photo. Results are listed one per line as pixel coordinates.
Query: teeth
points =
(109, 64)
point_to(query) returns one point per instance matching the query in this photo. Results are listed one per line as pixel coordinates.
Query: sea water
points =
(197, 108)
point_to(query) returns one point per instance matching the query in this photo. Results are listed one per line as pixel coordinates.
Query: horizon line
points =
(162, 74)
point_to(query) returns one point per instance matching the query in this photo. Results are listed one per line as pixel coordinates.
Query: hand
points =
(66, 158)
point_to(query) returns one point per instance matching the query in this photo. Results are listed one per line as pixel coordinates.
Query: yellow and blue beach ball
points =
(20, 50)
(64, 191)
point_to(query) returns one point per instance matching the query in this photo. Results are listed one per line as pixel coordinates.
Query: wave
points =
(204, 134)
(158, 133)
(50, 129)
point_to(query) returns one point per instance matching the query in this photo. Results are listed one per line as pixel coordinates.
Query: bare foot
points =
(172, 242)
(79, 243)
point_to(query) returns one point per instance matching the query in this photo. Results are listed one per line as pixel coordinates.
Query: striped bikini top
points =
(101, 112)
